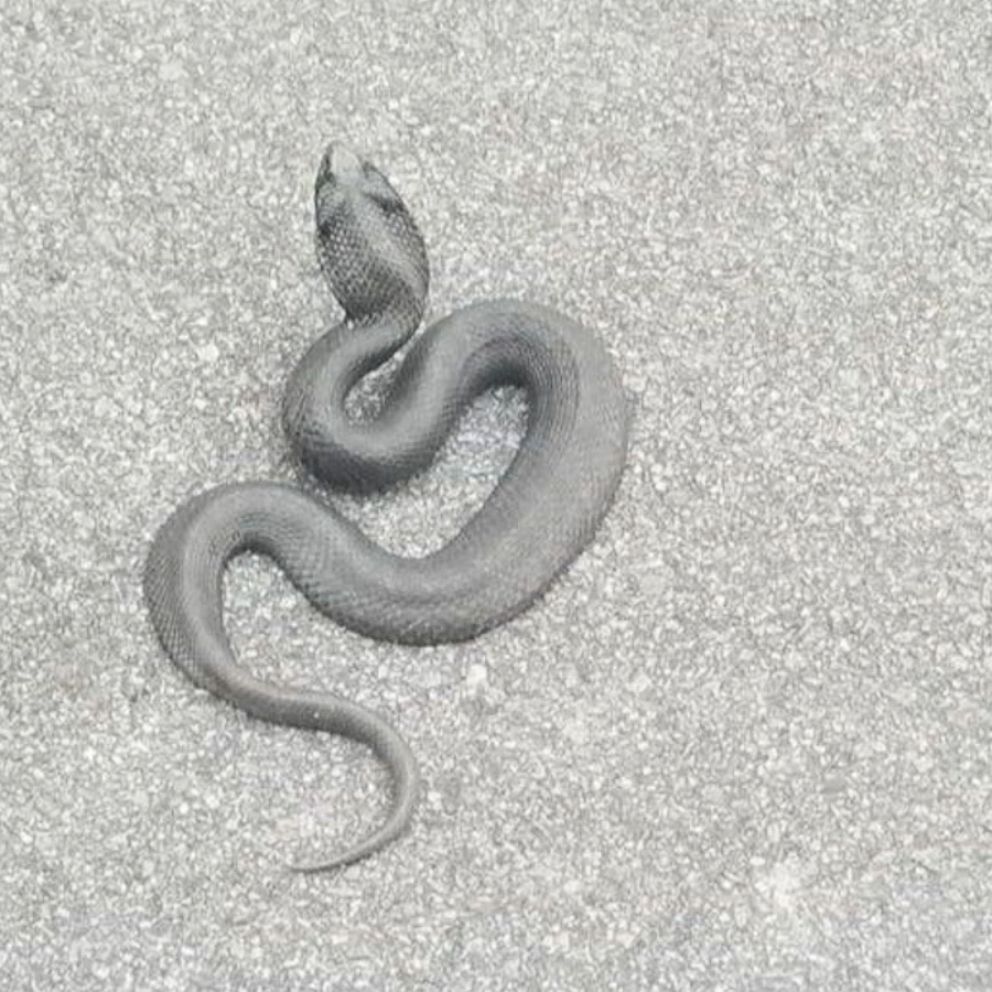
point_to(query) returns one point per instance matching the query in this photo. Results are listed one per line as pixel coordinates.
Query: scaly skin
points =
(542, 512)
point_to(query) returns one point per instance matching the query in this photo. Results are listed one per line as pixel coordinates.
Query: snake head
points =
(368, 244)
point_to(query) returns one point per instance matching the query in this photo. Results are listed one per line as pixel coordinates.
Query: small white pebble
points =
(208, 353)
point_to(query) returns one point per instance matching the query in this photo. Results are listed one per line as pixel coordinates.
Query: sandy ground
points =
(744, 743)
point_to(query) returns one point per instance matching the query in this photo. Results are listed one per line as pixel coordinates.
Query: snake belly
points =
(541, 513)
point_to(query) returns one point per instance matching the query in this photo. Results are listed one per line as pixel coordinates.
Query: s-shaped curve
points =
(540, 515)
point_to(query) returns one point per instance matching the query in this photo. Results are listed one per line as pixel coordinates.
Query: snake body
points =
(541, 513)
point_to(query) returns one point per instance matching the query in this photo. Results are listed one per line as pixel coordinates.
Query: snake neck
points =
(325, 438)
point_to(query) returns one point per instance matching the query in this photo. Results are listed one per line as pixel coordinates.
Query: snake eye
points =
(376, 187)
(387, 204)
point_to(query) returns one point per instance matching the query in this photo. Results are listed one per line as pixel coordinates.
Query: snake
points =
(542, 512)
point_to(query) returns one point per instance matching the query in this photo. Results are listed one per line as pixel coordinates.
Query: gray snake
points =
(541, 513)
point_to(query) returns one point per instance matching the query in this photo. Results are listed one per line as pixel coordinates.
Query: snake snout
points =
(339, 162)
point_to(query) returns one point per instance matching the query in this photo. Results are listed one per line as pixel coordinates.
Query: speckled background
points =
(744, 743)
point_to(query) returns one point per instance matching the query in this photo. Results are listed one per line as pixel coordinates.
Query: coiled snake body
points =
(542, 512)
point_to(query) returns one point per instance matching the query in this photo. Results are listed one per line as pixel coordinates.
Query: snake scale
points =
(541, 513)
